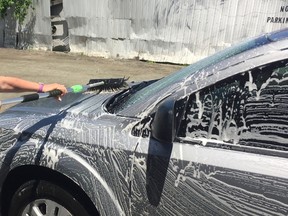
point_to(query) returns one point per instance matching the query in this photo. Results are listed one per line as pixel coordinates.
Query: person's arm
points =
(14, 84)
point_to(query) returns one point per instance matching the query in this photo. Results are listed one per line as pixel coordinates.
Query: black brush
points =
(113, 84)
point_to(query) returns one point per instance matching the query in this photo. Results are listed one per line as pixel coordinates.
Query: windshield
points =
(164, 85)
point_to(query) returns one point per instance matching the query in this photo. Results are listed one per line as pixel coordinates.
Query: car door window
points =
(249, 109)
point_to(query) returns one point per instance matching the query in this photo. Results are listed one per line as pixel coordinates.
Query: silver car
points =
(210, 139)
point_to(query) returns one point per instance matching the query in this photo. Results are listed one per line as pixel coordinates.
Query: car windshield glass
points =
(165, 83)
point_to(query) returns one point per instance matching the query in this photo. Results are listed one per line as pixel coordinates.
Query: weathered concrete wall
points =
(1, 33)
(36, 30)
(178, 31)
(38, 25)
(9, 31)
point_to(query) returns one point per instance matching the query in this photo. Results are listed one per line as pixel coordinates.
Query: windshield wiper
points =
(116, 102)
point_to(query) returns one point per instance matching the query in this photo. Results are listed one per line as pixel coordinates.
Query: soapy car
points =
(210, 139)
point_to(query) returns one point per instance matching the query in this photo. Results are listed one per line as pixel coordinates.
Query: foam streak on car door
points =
(243, 182)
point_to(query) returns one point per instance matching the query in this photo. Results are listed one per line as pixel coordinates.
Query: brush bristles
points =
(110, 85)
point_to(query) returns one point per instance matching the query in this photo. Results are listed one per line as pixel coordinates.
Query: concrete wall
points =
(177, 31)
(8, 31)
(35, 32)
(38, 26)
(1, 33)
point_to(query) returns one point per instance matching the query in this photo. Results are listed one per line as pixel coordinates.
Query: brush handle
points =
(53, 93)
(36, 96)
(57, 92)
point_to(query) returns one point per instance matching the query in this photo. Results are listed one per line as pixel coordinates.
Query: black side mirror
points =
(163, 125)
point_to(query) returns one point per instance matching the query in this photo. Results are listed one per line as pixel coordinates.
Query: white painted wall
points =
(179, 31)
(39, 23)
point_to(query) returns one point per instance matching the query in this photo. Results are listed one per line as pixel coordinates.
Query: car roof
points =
(278, 35)
(274, 49)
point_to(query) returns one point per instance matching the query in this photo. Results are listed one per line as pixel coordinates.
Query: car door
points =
(230, 156)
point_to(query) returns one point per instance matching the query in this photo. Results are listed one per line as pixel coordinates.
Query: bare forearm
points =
(13, 84)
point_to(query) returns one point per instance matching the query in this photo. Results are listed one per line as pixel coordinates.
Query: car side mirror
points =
(163, 125)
